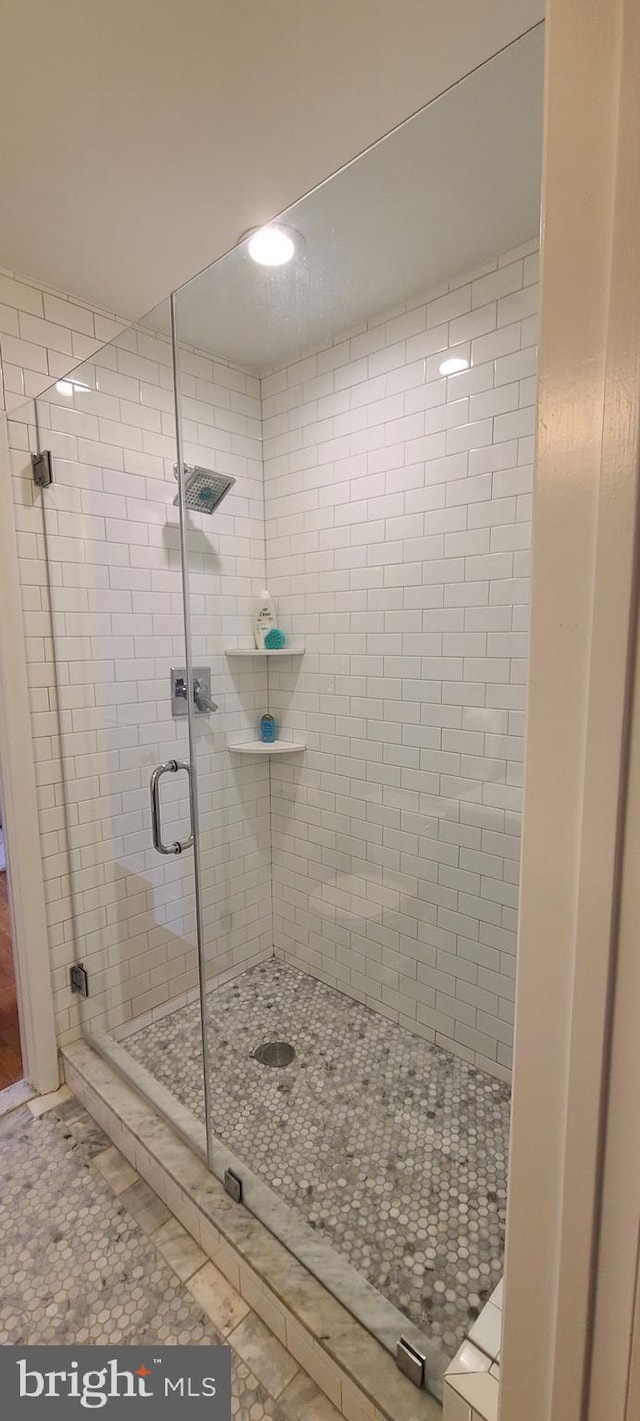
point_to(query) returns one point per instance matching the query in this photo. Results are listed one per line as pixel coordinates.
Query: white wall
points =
(398, 509)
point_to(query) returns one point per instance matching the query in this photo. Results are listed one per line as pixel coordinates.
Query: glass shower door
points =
(283, 1136)
(112, 520)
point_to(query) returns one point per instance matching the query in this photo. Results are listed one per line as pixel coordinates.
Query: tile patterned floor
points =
(90, 1254)
(392, 1149)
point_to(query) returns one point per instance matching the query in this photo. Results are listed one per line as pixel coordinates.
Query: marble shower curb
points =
(345, 1361)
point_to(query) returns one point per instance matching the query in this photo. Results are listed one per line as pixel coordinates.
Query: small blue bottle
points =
(268, 728)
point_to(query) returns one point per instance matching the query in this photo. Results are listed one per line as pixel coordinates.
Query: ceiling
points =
(139, 138)
(454, 186)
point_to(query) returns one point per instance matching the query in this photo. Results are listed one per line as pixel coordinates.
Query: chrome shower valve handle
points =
(201, 697)
(177, 847)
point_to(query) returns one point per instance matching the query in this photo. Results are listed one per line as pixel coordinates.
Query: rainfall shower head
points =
(203, 489)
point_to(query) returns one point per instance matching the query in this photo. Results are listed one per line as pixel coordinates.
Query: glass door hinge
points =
(79, 979)
(233, 1185)
(42, 469)
(411, 1362)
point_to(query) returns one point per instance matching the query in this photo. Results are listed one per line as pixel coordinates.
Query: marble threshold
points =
(13, 1096)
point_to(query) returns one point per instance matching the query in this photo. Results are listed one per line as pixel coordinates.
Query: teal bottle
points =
(268, 728)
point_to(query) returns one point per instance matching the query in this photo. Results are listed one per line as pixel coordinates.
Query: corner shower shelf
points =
(253, 651)
(261, 747)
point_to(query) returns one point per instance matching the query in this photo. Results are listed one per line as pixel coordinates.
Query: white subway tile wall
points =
(398, 507)
(111, 535)
(28, 367)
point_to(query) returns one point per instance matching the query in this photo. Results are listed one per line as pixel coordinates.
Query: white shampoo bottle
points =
(265, 618)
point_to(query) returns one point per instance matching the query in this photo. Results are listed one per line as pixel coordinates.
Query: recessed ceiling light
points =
(454, 364)
(272, 246)
(71, 387)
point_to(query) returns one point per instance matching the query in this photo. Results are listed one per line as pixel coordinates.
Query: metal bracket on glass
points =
(79, 979)
(411, 1362)
(42, 468)
(233, 1185)
(170, 767)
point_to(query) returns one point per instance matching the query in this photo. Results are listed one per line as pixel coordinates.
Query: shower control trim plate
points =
(201, 684)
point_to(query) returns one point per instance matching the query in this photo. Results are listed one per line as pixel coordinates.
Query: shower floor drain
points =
(274, 1053)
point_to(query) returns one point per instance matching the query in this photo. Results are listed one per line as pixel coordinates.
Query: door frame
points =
(614, 1382)
(21, 821)
(580, 708)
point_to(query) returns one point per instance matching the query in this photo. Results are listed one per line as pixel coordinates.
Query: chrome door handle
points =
(169, 767)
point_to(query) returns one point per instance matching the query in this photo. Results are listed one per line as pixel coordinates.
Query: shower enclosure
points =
(303, 953)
